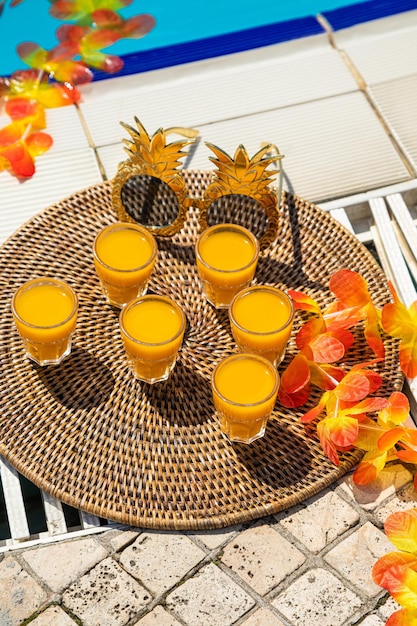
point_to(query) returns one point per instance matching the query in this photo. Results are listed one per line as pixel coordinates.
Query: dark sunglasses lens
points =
(238, 209)
(149, 201)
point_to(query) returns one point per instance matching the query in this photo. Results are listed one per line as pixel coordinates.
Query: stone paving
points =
(307, 566)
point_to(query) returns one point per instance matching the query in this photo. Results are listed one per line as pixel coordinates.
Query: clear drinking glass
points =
(45, 313)
(124, 258)
(152, 329)
(226, 257)
(244, 388)
(261, 319)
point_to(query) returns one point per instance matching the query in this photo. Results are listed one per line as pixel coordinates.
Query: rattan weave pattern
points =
(153, 456)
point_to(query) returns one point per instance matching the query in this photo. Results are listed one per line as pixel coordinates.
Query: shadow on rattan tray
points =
(94, 437)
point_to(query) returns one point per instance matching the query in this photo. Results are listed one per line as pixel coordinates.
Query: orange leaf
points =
(390, 438)
(372, 332)
(309, 331)
(343, 431)
(401, 582)
(44, 93)
(387, 561)
(297, 375)
(408, 356)
(293, 400)
(365, 473)
(326, 349)
(397, 409)
(410, 436)
(4, 164)
(302, 301)
(32, 54)
(374, 379)
(21, 162)
(353, 388)
(106, 17)
(369, 433)
(397, 321)
(344, 336)
(72, 73)
(412, 309)
(315, 411)
(408, 456)
(138, 26)
(10, 134)
(20, 108)
(369, 405)
(338, 317)
(70, 34)
(350, 288)
(98, 39)
(108, 63)
(393, 291)
(403, 617)
(401, 530)
(325, 376)
(38, 143)
(328, 446)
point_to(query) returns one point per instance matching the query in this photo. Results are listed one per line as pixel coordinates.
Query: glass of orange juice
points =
(124, 258)
(226, 256)
(261, 319)
(45, 313)
(245, 388)
(152, 329)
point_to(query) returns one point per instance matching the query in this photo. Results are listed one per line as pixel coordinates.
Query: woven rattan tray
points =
(92, 436)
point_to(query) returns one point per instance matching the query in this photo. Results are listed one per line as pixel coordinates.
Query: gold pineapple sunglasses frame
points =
(153, 157)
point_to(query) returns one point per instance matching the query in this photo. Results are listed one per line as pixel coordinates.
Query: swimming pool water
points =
(188, 30)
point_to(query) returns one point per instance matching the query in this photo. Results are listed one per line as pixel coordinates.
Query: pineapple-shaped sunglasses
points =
(149, 188)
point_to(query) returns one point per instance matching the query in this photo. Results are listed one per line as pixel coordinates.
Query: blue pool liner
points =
(250, 39)
(220, 45)
(348, 16)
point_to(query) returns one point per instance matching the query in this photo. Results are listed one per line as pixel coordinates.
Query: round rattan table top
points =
(91, 435)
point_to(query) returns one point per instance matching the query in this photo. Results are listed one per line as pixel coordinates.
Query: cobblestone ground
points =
(307, 566)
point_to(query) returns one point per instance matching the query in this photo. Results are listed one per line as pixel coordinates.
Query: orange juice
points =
(124, 258)
(226, 255)
(152, 329)
(45, 314)
(261, 320)
(245, 388)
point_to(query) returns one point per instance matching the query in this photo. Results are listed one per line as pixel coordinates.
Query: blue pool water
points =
(189, 30)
